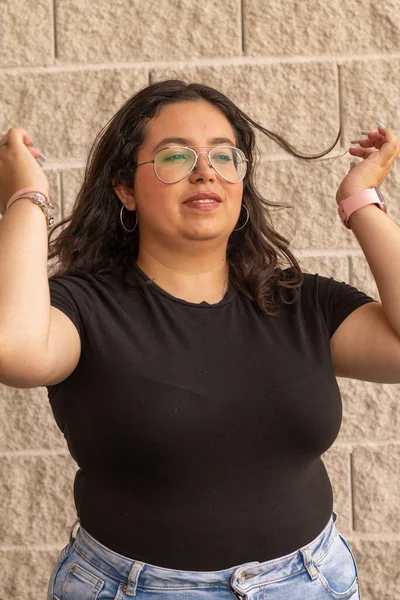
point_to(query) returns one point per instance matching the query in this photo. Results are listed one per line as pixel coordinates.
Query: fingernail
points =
(364, 132)
(380, 124)
(42, 156)
(354, 141)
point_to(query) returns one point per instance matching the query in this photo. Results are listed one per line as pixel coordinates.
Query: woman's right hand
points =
(18, 165)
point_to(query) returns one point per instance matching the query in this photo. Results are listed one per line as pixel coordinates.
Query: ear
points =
(125, 194)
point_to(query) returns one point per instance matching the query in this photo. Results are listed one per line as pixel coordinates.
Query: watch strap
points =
(349, 205)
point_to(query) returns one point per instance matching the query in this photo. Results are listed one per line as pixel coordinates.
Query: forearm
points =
(379, 238)
(24, 290)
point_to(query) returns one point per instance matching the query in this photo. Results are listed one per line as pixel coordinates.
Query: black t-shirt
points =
(198, 429)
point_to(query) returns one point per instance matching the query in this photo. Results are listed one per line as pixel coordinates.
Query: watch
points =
(349, 205)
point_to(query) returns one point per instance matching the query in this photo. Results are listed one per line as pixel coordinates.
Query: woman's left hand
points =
(379, 151)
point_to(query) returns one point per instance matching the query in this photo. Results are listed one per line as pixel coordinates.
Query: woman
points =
(190, 364)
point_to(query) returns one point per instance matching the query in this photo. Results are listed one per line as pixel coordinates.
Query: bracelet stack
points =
(38, 196)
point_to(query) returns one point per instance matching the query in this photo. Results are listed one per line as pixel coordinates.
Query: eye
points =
(174, 157)
(223, 157)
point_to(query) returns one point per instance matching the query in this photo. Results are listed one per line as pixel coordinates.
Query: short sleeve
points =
(335, 300)
(75, 296)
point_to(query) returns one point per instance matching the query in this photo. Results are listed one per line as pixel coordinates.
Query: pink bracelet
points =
(26, 191)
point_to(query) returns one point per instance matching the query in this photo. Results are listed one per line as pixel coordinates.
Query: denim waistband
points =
(241, 578)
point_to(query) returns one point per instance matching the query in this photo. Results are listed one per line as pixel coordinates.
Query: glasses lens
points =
(229, 162)
(173, 164)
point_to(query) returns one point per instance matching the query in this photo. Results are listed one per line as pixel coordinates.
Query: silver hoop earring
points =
(247, 218)
(122, 223)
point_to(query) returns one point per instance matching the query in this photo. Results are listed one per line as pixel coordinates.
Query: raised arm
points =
(37, 342)
(367, 344)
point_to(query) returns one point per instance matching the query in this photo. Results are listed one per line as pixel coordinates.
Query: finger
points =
(362, 152)
(375, 136)
(389, 150)
(366, 143)
(17, 136)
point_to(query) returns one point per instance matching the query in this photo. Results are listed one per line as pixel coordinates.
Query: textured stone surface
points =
(36, 496)
(370, 411)
(367, 88)
(310, 189)
(337, 463)
(361, 277)
(376, 477)
(26, 40)
(26, 421)
(66, 110)
(71, 183)
(379, 568)
(276, 96)
(15, 564)
(166, 30)
(328, 266)
(313, 28)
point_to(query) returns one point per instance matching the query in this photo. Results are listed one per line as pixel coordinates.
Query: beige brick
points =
(284, 98)
(71, 184)
(310, 189)
(66, 110)
(376, 477)
(361, 276)
(370, 411)
(277, 28)
(366, 90)
(337, 463)
(136, 30)
(26, 421)
(379, 568)
(328, 266)
(16, 564)
(26, 33)
(36, 497)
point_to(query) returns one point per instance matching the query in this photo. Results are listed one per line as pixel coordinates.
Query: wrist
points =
(361, 199)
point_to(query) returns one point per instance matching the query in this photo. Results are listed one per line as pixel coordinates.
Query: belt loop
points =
(309, 562)
(71, 533)
(133, 578)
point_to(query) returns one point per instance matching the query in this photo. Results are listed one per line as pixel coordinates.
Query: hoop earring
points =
(247, 218)
(122, 223)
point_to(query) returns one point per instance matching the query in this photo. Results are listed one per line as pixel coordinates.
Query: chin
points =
(206, 234)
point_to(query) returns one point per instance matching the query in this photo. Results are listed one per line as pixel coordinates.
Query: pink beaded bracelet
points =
(27, 190)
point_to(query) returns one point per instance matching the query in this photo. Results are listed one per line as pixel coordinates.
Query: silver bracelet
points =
(40, 200)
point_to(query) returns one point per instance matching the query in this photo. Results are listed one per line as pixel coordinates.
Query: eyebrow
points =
(186, 142)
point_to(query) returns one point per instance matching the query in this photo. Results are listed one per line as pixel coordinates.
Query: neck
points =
(192, 277)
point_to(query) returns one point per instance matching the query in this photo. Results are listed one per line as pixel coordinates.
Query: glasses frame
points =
(191, 148)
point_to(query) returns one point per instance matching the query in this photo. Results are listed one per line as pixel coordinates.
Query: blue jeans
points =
(323, 569)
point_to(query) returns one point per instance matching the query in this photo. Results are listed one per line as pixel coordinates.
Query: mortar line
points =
(327, 253)
(340, 102)
(55, 45)
(350, 267)
(242, 26)
(61, 194)
(41, 548)
(33, 453)
(265, 157)
(204, 62)
(352, 511)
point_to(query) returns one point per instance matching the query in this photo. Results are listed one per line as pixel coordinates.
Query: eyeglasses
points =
(174, 163)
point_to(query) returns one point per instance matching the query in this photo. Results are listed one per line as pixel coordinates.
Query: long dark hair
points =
(93, 240)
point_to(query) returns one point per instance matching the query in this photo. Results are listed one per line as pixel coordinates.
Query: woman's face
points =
(164, 215)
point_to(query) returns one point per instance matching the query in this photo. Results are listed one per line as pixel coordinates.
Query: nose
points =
(203, 169)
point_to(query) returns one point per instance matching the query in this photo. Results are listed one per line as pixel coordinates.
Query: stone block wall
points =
(302, 69)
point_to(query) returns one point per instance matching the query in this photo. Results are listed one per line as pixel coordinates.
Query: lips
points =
(204, 196)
